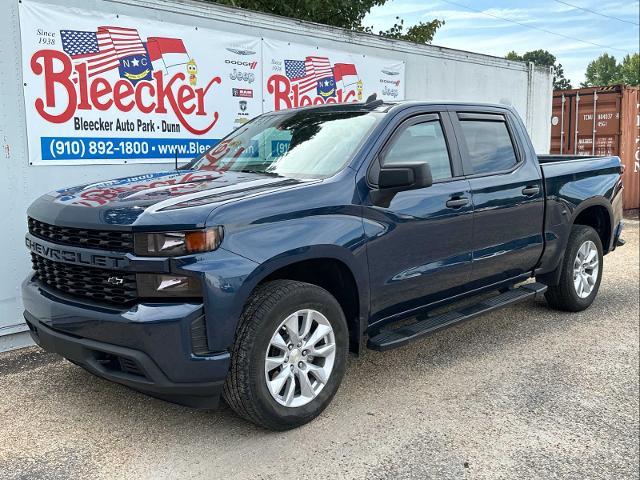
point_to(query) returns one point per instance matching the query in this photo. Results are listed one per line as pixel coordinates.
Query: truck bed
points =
(578, 172)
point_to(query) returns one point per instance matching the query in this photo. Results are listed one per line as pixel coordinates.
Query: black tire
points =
(245, 388)
(564, 296)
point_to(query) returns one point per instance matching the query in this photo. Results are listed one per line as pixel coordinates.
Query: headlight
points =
(172, 244)
(168, 285)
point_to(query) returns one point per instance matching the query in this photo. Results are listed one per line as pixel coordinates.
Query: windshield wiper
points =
(260, 172)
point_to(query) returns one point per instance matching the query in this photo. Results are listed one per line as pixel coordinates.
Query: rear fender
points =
(551, 269)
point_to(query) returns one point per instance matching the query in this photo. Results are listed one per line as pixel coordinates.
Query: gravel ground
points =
(524, 392)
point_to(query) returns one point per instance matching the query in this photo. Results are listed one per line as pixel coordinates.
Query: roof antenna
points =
(372, 102)
(371, 98)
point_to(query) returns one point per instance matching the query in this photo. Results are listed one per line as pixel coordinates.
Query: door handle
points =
(457, 202)
(531, 190)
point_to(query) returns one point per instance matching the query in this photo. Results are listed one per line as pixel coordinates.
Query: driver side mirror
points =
(405, 176)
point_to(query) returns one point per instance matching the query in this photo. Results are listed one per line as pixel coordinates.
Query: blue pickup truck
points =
(252, 272)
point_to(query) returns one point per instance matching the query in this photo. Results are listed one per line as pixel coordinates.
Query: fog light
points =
(167, 285)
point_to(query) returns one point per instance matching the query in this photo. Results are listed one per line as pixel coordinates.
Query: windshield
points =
(304, 144)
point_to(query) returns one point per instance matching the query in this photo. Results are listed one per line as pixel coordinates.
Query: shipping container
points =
(601, 121)
(426, 72)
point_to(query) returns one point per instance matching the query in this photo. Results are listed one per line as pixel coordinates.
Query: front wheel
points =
(581, 271)
(289, 355)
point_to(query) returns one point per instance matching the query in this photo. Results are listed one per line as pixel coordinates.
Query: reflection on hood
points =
(141, 189)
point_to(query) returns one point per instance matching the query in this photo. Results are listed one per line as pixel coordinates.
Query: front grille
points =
(82, 237)
(80, 281)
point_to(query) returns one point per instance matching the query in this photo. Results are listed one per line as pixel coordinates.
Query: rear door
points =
(508, 195)
(419, 246)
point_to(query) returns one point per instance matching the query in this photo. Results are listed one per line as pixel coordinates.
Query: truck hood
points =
(180, 199)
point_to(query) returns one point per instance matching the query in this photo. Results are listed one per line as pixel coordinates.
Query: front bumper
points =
(147, 347)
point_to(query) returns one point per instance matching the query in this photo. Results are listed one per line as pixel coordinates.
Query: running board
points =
(393, 338)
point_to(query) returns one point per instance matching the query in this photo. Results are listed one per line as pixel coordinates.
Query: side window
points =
(421, 141)
(489, 145)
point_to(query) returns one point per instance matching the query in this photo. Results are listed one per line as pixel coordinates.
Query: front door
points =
(419, 241)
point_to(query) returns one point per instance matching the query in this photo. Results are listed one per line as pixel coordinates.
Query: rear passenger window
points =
(421, 142)
(489, 145)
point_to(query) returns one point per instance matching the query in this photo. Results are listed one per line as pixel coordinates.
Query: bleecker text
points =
(287, 95)
(157, 96)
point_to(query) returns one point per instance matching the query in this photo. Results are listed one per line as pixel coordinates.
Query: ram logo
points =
(115, 280)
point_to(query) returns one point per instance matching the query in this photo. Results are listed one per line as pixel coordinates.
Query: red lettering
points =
(167, 92)
(152, 92)
(186, 94)
(82, 82)
(161, 94)
(51, 79)
(287, 95)
(98, 93)
(121, 91)
(99, 88)
(351, 94)
(279, 86)
(201, 92)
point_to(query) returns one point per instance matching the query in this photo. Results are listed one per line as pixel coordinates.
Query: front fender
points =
(355, 261)
(230, 279)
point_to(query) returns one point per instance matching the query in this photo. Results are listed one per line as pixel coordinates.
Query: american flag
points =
(307, 73)
(103, 49)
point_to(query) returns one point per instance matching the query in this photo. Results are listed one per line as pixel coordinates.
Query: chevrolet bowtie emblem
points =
(115, 280)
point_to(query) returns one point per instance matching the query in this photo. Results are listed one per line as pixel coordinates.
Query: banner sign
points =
(102, 88)
(106, 88)
(298, 75)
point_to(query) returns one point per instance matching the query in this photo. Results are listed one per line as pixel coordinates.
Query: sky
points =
(472, 25)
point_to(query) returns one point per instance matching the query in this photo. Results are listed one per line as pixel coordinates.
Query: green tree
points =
(559, 82)
(543, 58)
(339, 13)
(422, 32)
(602, 71)
(512, 55)
(630, 69)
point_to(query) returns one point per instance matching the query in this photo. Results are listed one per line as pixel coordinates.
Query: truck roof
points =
(388, 106)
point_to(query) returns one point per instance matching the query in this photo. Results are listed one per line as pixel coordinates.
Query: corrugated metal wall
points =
(600, 121)
(630, 147)
(432, 73)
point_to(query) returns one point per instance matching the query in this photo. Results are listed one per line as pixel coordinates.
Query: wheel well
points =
(335, 277)
(597, 217)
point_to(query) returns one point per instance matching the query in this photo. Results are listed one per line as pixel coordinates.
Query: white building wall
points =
(432, 73)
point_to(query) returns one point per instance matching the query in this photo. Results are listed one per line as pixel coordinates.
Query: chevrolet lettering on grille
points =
(70, 256)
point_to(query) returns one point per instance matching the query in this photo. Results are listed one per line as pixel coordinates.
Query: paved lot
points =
(521, 393)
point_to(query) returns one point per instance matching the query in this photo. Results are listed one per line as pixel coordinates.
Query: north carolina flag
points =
(165, 53)
(345, 72)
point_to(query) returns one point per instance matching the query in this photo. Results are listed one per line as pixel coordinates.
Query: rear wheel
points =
(289, 355)
(581, 271)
